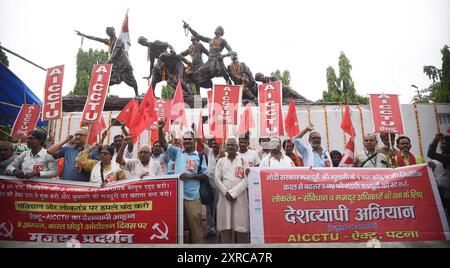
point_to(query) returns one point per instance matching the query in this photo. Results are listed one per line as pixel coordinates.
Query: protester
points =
(232, 208)
(276, 158)
(444, 156)
(371, 158)
(213, 153)
(71, 171)
(192, 170)
(36, 162)
(265, 150)
(388, 140)
(289, 149)
(117, 142)
(251, 156)
(139, 168)
(7, 156)
(403, 156)
(440, 164)
(312, 153)
(162, 158)
(336, 158)
(103, 171)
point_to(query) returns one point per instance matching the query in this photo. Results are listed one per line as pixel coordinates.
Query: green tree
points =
(167, 92)
(85, 62)
(284, 77)
(439, 90)
(4, 58)
(336, 85)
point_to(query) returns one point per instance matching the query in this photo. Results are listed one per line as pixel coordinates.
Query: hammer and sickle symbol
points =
(162, 235)
(5, 231)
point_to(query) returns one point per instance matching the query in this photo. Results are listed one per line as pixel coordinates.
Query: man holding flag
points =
(118, 49)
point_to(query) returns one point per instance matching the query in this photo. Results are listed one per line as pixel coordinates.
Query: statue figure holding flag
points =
(121, 69)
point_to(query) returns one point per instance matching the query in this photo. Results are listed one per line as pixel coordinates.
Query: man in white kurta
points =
(145, 166)
(233, 219)
(276, 158)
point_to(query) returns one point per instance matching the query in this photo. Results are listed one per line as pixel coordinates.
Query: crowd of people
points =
(225, 166)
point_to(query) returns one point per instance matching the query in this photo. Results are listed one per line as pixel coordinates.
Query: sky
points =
(387, 41)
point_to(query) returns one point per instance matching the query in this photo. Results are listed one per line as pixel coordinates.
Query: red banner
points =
(98, 88)
(141, 212)
(300, 205)
(163, 110)
(225, 100)
(26, 120)
(270, 113)
(386, 113)
(52, 108)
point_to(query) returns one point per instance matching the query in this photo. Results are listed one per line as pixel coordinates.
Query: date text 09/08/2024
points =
(225, 257)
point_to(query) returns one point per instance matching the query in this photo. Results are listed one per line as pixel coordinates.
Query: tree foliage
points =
(167, 92)
(284, 77)
(85, 62)
(439, 90)
(4, 58)
(338, 85)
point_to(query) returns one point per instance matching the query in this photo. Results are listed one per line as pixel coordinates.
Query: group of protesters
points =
(225, 165)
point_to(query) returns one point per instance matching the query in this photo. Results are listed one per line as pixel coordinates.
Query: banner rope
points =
(326, 127)
(419, 132)
(438, 127)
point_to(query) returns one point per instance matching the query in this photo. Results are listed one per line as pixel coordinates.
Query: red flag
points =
(26, 120)
(291, 121)
(127, 112)
(270, 113)
(346, 123)
(153, 136)
(386, 113)
(349, 151)
(162, 110)
(145, 115)
(124, 33)
(178, 114)
(98, 88)
(247, 121)
(96, 129)
(200, 133)
(52, 108)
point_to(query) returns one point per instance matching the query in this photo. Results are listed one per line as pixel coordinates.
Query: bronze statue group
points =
(173, 68)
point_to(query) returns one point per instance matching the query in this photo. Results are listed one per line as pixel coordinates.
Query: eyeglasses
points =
(104, 153)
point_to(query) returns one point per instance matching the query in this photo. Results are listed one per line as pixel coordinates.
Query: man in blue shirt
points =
(71, 171)
(192, 171)
(312, 153)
